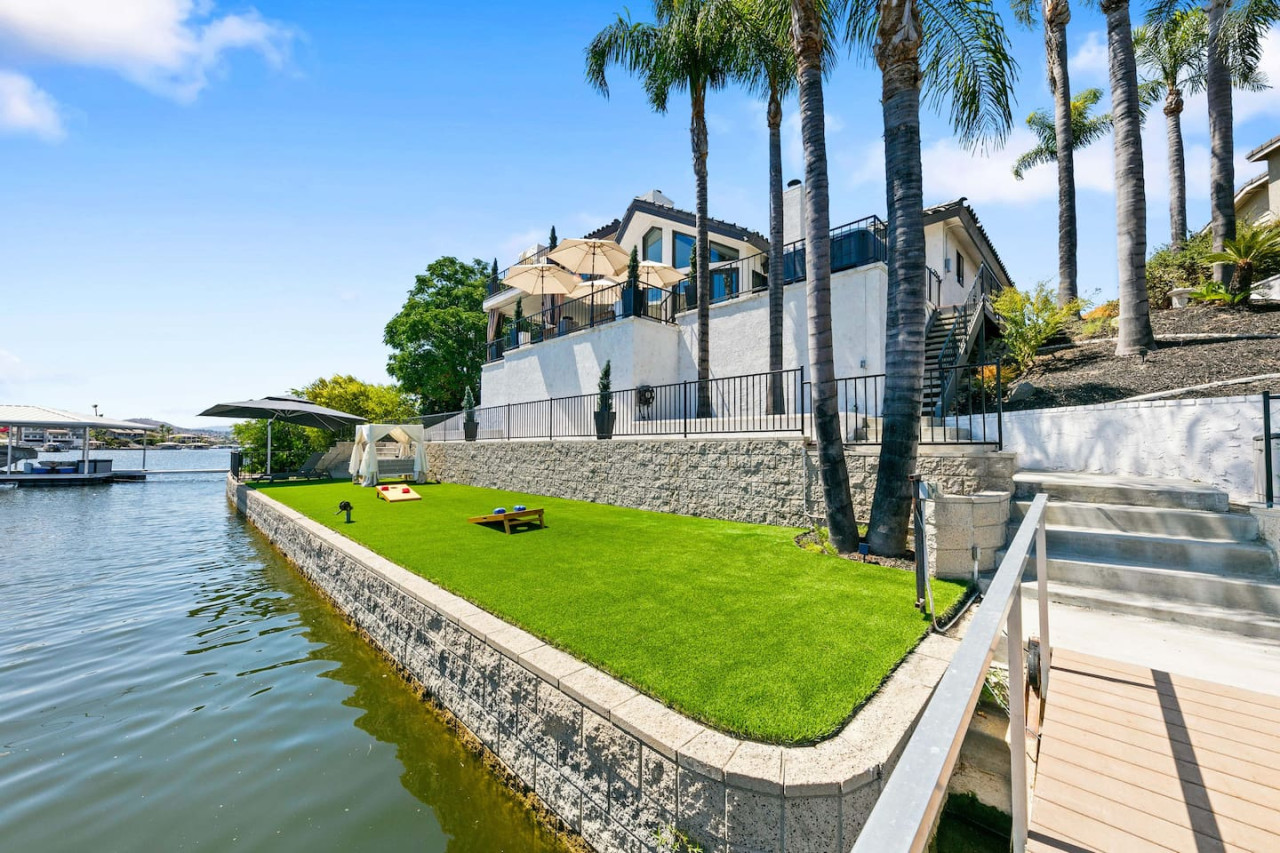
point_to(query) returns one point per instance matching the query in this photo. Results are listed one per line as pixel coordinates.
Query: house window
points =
(960, 268)
(722, 253)
(651, 247)
(684, 249)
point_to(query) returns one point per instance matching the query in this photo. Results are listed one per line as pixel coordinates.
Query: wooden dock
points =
(1135, 760)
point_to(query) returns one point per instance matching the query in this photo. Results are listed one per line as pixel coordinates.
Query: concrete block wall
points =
(613, 764)
(955, 525)
(1268, 524)
(758, 480)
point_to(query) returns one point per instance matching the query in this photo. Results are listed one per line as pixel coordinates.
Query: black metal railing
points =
(725, 406)
(854, 244)
(601, 306)
(955, 347)
(741, 405)
(1268, 461)
(974, 414)
(932, 287)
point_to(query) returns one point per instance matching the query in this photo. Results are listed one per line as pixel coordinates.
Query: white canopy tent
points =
(364, 456)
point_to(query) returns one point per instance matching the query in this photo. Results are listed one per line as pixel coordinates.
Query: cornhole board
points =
(510, 519)
(395, 494)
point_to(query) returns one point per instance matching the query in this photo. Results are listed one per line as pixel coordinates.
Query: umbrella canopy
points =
(654, 274)
(587, 288)
(293, 410)
(590, 257)
(542, 279)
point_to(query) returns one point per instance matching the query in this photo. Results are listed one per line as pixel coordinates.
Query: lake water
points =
(169, 682)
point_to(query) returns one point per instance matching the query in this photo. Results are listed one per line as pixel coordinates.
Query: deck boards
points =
(1133, 759)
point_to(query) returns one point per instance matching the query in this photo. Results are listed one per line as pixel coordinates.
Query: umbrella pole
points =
(269, 422)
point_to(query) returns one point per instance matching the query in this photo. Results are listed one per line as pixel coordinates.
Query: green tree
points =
(1085, 130)
(290, 444)
(957, 52)
(808, 40)
(1029, 320)
(552, 241)
(438, 337)
(1055, 15)
(1253, 254)
(375, 403)
(691, 48)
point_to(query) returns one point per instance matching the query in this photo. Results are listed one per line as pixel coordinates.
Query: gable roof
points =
(1266, 148)
(957, 209)
(1251, 186)
(684, 217)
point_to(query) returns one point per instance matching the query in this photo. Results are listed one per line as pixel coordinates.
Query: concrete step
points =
(1210, 589)
(1178, 553)
(1241, 622)
(1116, 489)
(1162, 521)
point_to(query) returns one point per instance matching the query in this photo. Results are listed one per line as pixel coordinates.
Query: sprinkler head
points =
(346, 507)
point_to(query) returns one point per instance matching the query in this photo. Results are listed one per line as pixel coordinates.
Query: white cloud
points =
(26, 108)
(1090, 60)
(1250, 105)
(167, 46)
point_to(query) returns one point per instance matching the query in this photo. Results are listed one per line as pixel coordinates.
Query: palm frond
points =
(1037, 156)
(1085, 130)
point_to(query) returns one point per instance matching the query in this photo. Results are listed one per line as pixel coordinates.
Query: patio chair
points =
(308, 471)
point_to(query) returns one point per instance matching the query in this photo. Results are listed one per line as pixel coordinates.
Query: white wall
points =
(941, 242)
(1206, 440)
(571, 365)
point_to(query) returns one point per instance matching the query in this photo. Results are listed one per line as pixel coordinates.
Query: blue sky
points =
(206, 201)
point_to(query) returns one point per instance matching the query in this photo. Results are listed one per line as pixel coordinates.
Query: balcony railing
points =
(600, 307)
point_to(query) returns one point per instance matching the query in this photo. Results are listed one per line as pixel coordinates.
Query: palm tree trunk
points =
(807, 35)
(698, 132)
(1177, 169)
(1131, 198)
(1222, 172)
(777, 405)
(897, 53)
(1056, 17)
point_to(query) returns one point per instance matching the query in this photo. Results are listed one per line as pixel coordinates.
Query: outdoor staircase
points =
(861, 430)
(1171, 550)
(945, 322)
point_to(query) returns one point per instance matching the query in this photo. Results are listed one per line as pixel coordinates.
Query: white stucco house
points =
(653, 340)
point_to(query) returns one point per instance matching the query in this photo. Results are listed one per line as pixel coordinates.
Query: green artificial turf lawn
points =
(729, 623)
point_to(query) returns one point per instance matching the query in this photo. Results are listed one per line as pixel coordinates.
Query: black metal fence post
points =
(1268, 464)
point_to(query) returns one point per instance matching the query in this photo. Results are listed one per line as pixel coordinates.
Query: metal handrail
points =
(906, 813)
(1268, 464)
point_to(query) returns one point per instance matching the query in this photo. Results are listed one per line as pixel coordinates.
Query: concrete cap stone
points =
(482, 624)
(550, 663)
(598, 691)
(756, 767)
(512, 641)
(708, 753)
(655, 725)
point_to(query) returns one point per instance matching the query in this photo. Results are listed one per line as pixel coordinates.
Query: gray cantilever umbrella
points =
(293, 410)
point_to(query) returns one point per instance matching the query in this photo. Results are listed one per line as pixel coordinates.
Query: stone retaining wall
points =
(759, 480)
(616, 766)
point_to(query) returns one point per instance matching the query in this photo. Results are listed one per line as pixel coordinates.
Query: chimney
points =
(793, 212)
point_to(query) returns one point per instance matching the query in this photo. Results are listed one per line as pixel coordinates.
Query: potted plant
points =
(605, 415)
(632, 305)
(470, 427)
(519, 326)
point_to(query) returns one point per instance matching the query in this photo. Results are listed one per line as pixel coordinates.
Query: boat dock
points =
(123, 476)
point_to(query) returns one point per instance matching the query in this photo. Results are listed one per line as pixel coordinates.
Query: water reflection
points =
(167, 681)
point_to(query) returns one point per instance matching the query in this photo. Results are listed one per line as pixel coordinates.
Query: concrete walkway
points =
(1244, 662)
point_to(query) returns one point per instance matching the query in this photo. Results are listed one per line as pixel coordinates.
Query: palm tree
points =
(1085, 130)
(959, 52)
(1056, 14)
(808, 43)
(1253, 248)
(1131, 197)
(768, 67)
(1172, 51)
(690, 47)
(1235, 45)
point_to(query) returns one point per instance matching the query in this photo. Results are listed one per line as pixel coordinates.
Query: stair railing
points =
(956, 345)
(907, 812)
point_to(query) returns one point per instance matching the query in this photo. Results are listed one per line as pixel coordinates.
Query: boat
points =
(52, 447)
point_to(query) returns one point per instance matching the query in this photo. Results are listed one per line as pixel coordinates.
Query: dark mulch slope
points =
(1090, 373)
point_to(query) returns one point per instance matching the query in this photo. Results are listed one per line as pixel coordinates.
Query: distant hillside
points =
(155, 424)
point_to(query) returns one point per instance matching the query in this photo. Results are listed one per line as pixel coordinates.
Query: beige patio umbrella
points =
(590, 257)
(588, 288)
(542, 279)
(654, 274)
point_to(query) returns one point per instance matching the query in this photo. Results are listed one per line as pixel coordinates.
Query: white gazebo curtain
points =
(364, 456)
